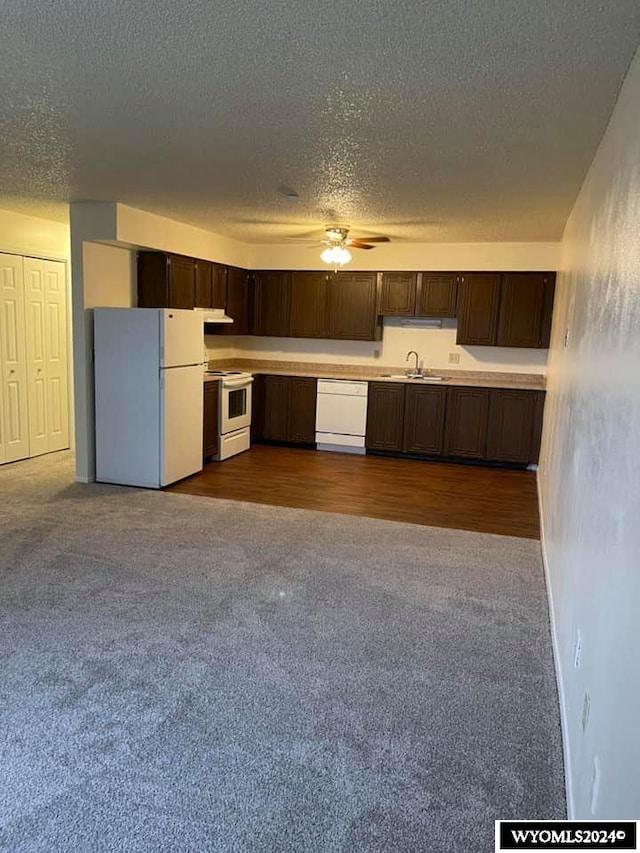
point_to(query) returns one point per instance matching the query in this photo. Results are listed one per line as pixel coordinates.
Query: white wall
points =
(590, 471)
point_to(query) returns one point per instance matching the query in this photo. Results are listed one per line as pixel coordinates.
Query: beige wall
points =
(34, 237)
(590, 472)
(417, 256)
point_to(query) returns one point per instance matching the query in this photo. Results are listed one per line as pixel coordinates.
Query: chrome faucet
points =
(416, 372)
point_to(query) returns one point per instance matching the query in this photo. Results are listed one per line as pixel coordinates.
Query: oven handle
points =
(237, 383)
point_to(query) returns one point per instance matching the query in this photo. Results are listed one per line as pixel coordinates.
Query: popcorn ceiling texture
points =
(448, 120)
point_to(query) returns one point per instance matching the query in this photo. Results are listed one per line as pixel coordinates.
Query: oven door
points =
(235, 411)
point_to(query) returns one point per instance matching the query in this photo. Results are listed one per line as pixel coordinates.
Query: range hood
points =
(213, 315)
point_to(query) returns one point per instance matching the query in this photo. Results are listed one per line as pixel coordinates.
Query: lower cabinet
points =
(424, 419)
(385, 416)
(466, 428)
(211, 418)
(513, 433)
(492, 424)
(285, 409)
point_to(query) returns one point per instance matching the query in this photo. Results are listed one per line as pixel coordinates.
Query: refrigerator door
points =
(181, 396)
(181, 338)
(127, 396)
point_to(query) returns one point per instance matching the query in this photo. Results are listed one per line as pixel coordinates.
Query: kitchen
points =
(489, 416)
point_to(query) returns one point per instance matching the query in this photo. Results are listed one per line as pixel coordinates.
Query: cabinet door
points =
(466, 424)
(547, 309)
(203, 284)
(524, 309)
(272, 303)
(182, 282)
(511, 421)
(385, 416)
(14, 441)
(424, 416)
(536, 431)
(398, 297)
(308, 317)
(238, 301)
(153, 280)
(257, 408)
(276, 391)
(219, 286)
(302, 410)
(478, 302)
(438, 294)
(352, 311)
(211, 420)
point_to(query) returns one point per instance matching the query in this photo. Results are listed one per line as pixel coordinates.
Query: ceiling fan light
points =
(336, 256)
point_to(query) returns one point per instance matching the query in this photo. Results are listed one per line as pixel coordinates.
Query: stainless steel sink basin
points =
(426, 378)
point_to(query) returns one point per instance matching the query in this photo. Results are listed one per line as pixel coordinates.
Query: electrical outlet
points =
(577, 650)
(595, 784)
(376, 352)
(454, 358)
(586, 710)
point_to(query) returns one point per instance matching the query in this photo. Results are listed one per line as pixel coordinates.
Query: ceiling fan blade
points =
(358, 244)
(374, 239)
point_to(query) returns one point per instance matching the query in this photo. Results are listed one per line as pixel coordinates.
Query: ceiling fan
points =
(338, 243)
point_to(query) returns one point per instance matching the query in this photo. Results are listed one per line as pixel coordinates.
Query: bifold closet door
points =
(45, 300)
(14, 407)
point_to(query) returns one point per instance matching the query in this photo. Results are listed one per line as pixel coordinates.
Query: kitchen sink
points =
(427, 378)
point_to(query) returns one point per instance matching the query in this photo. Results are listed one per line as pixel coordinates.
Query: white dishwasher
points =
(341, 415)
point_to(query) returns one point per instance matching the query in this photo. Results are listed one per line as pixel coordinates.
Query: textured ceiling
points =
(445, 120)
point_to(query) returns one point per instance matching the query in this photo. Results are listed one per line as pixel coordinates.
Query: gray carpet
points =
(184, 674)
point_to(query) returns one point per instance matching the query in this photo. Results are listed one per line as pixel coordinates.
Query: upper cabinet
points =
(424, 294)
(526, 303)
(272, 303)
(351, 307)
(398, 297)
(308, 313)
(505, 309)
(239, 306)
(438, 294)
(478, 303)
(166, 281)
(203, 284)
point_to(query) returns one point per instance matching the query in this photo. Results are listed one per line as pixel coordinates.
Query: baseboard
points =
(566, 749)
(84, 480)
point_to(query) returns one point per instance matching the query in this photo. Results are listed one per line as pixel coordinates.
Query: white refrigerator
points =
(148, 395)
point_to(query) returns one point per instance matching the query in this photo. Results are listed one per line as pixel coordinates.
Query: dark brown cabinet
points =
(526, 302)
(238, 303)
(166, 281)
(211, 416)
(302, 410)
(272, 300)
(308, 313)
(478, 303)
(351, 307)
(424, 419)
(398, 296)
(466, 423)
(288, 409)
(203, 284)
(511, 423)
(385, 416)
(438, 294)
(218, 286)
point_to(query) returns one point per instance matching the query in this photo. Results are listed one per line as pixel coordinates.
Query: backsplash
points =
(432, 345)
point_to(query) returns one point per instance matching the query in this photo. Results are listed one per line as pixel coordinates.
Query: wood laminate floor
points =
(487, 500)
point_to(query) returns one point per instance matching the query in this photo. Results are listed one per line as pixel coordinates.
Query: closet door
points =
(13, 366)
(35, 313)
(46, 343)
(55, 352)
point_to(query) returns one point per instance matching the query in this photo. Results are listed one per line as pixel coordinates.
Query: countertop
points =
(467, 378)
